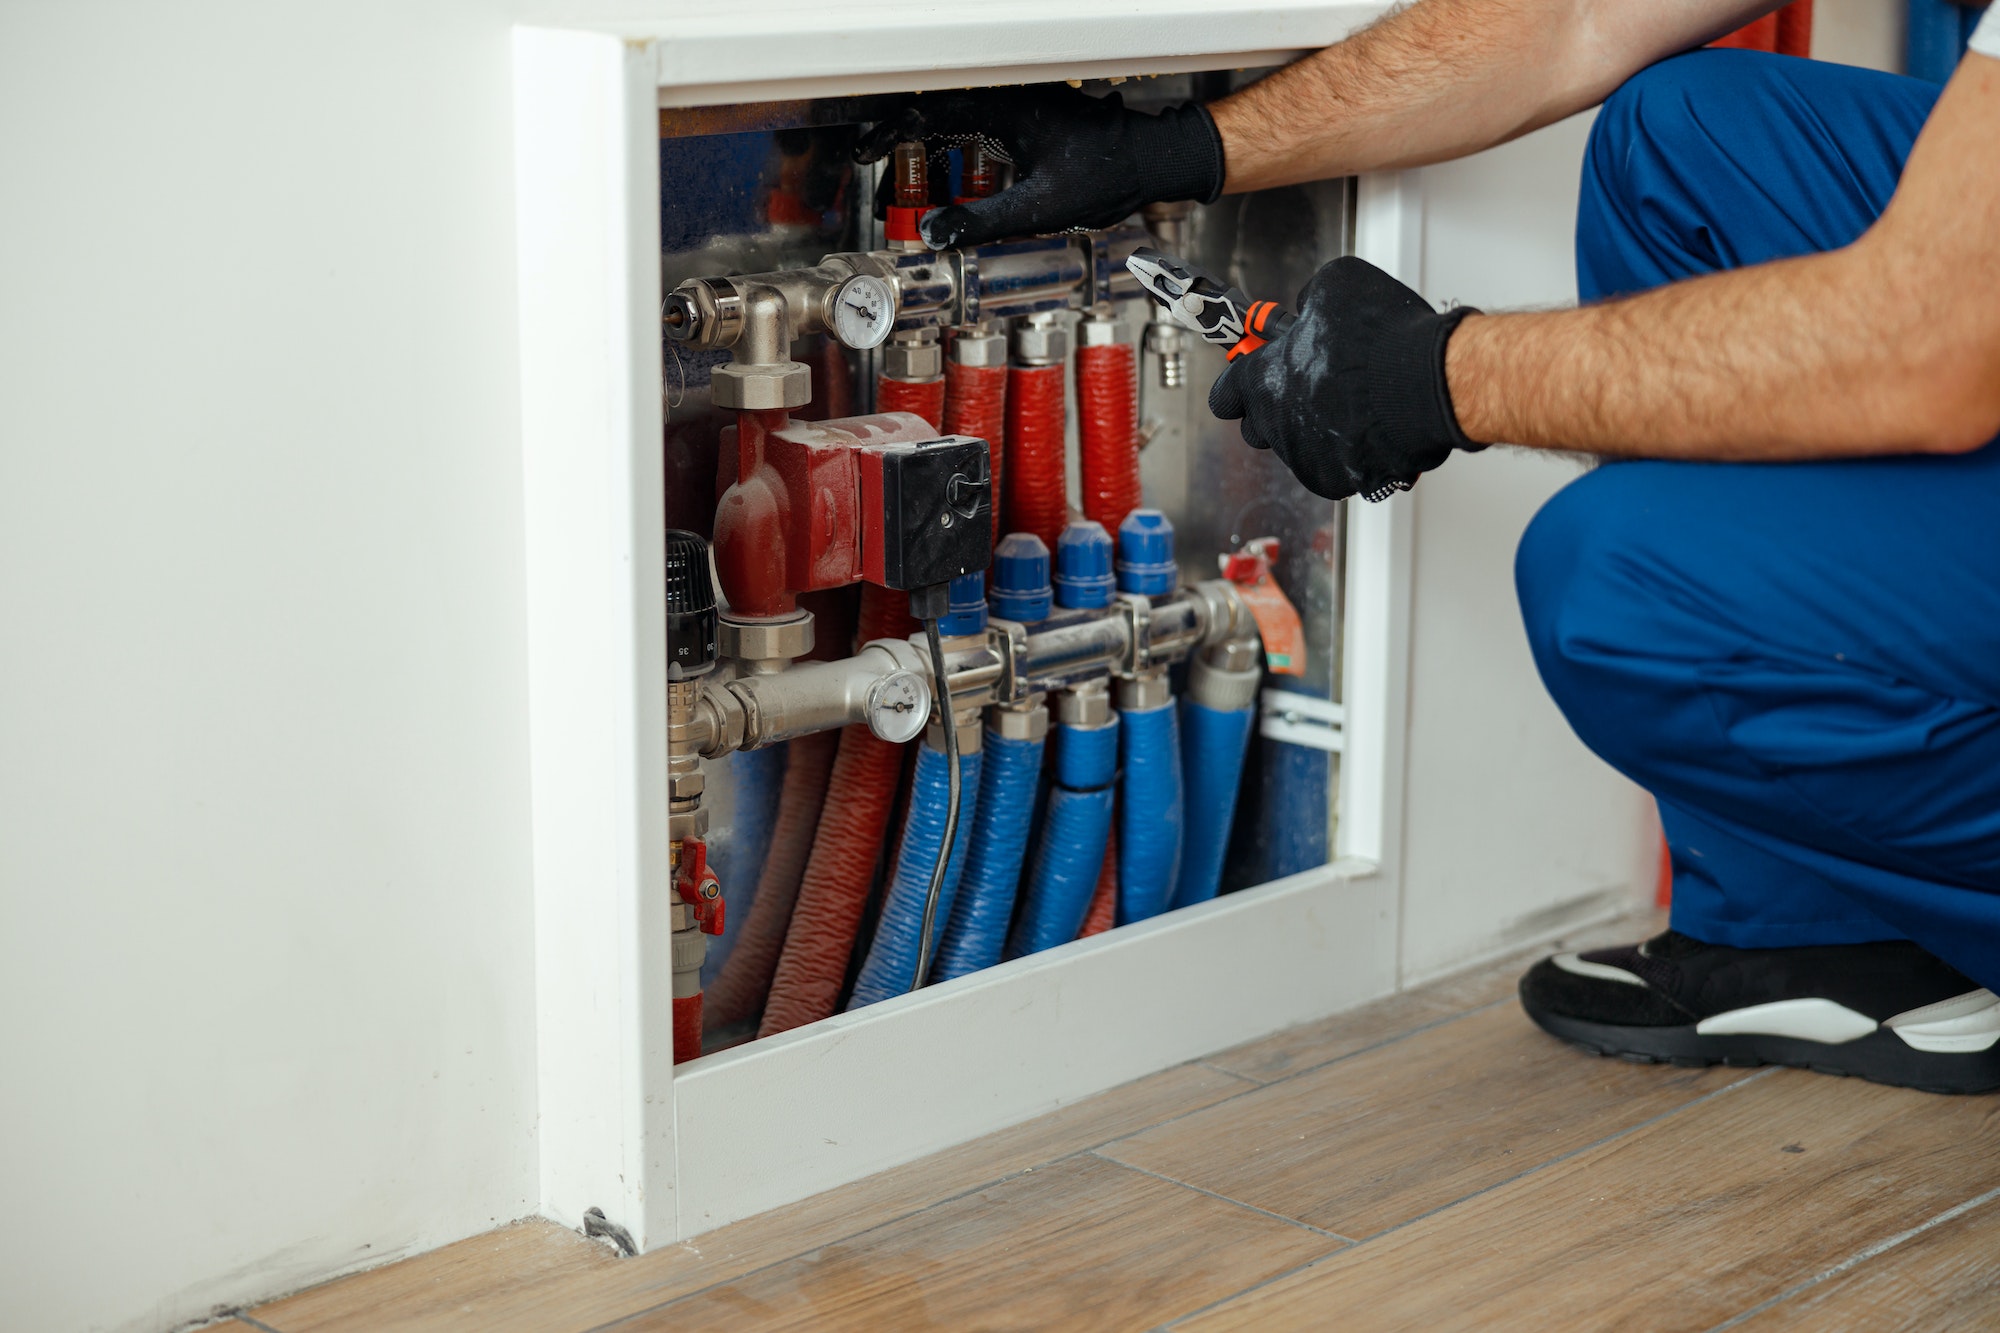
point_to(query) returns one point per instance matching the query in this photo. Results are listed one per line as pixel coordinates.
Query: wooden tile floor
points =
(1428, 1162)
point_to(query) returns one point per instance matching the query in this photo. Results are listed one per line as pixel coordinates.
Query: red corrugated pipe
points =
(1787, 32)
(687, 1027)
(841, 868)
(1037, 490)
(1107, 419)
(1104, 901)
(739, 991)
(923, 397)
(975, 404)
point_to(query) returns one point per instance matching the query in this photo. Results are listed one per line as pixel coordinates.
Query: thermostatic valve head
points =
(691, 616)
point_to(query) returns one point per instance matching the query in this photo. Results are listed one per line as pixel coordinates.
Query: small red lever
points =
(698, 886)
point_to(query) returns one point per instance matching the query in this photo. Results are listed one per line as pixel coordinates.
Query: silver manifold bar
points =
(1010, 664)
(927, 290)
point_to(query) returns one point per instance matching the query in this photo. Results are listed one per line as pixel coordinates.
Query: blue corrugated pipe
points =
(1074, 831)
(1216, 718)
(892, 957)
(891, 968)
(1936, 37)
(737, 852)
(1149, 811)
(986, 891)
(1295, 783)
(1149, 799)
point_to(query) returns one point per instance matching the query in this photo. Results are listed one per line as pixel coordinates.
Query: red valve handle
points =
(698, 886)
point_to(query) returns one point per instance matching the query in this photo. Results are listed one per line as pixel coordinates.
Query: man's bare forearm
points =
(1443, 78)
(1891, 345)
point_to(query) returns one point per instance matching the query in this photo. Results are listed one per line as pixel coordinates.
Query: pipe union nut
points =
(979, 349)
(765, 640)
(1085, 705)
(1137, 693)
(1225, 689)
(1030, 722)
(685, 786)
(690, 950)
(761, 388)
(912, 361)
(1037, 344)
(685, 824)
(1096, 332)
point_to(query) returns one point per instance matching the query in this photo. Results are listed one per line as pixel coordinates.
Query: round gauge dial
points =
(864, 311)
(898, 706)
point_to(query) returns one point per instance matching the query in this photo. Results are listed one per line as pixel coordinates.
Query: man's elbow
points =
(1957, 407)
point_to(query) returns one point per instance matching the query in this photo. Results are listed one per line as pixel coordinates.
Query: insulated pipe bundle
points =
(891, 965)
(1070, 857)
(1216, 719)
(1071, 852)
(820, 938)
(1149, 802)
(1107, 416)
(1037, 485)
(746, 974)
(1012, 768)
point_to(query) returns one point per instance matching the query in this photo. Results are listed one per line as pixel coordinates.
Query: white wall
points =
(1860, 32)
(1513, 828)
(266, 975)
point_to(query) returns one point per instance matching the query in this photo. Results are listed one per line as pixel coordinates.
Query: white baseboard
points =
(790, 1116)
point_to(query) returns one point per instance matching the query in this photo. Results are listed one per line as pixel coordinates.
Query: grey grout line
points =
(1727, 1088)
(1233, 1202)
(1501, 1184)
(1861, 1256)
(784, 1259)
(1255, 1085)
(1214, 1068)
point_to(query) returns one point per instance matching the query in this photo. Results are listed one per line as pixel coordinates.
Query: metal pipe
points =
(750, 711)
(932, 289)
(1011, 664)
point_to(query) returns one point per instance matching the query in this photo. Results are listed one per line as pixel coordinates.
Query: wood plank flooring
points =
(1431, 1161)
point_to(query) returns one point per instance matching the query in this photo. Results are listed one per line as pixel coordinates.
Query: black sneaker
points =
(1889, 1012)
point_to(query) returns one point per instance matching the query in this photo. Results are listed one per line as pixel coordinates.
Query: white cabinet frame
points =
(670, 1154)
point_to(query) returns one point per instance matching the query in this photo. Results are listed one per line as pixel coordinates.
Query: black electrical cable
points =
(924, 941)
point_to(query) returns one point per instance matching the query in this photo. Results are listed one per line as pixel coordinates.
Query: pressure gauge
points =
(864, 311)
(898, 706)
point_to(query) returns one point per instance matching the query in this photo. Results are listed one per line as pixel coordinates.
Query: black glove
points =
(1352, 396)
(1079, 161)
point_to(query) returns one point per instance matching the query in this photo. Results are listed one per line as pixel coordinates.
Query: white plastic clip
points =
(1301, 719)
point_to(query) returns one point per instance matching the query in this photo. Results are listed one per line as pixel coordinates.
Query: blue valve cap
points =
(968, 607)
(1020, 578)
(1083, 566)
(1146, 554)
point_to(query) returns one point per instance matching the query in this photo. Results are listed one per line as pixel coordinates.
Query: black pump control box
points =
(932, 506)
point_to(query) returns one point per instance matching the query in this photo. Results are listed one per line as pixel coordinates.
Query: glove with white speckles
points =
(1353, 396)
(1079, 161)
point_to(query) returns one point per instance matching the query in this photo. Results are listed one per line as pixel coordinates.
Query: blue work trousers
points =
(1801, 661)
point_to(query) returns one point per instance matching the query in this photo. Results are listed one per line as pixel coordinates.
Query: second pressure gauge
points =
(898, 706)
(863, 310)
